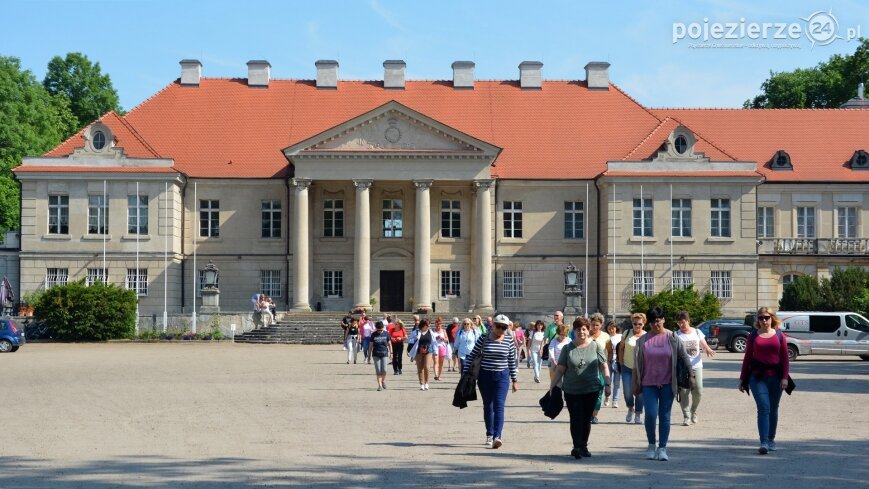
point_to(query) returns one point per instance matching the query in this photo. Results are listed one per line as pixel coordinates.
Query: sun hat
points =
(501, 319)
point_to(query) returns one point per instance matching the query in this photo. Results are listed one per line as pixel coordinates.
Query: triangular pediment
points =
(392, 128)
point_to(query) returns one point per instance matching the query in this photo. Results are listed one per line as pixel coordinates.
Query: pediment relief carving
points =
(392, 131)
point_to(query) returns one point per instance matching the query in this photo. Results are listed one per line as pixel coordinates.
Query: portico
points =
(387, 154)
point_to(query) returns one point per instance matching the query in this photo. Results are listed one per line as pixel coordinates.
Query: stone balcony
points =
(813, 246)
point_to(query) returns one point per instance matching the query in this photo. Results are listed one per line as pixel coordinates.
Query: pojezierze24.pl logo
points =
(820, 28)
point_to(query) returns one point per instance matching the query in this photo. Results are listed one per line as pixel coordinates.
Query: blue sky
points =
(139, 43)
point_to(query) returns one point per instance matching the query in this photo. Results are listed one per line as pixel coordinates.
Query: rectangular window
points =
(805, 222)
(766, 222)
(720, 218)
(137, 214)
(137, 280)
(574, 220)
(644, 283)
(209, 218)
(58, 214)
(681, 218)
(846, 219)
(513, 285)
(333, 283)
(512, 219)
(333, 218)
(271, 219)
(98, 214)
(270, 282)
(451, 283)
(96, 275)
(451, 218)
(682, 279)
(200, 284)
(722, 286)
(56, 276)
(643, 217)
(393, 220)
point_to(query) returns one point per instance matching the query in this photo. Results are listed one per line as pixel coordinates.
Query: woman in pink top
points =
(658, 351)
(765, 369)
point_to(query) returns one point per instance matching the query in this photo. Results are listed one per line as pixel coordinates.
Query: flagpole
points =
(165, 255)
(611, 224)
(195, 274)
(105, 270)
(138, 270)
(585, 235)
(672, 273)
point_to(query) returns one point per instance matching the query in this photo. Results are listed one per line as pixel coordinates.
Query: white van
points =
(825, 333)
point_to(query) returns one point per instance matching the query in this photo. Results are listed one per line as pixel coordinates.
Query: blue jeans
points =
(658, 402)
(767, 394)
(493, 388)
(631, 401)
(365, 343)
(536, 362)
(615, 378)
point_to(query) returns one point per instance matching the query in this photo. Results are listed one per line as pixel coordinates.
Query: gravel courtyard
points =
(225, 415)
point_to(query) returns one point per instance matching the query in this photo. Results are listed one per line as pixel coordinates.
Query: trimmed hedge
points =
(75, 312)
(699, 307)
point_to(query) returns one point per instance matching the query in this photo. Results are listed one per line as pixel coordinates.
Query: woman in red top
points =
(765, 372)
(397, 336)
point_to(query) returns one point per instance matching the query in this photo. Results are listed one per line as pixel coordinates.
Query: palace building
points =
(462, 195)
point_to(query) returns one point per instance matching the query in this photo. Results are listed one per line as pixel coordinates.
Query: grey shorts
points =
(380, 365)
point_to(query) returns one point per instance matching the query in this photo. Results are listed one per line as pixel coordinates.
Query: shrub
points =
(803, 294)
(700, 307)
(75, 312)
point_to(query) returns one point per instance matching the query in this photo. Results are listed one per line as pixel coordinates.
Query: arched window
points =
(788, 278)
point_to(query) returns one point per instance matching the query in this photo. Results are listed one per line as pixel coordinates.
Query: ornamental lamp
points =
(211, 273)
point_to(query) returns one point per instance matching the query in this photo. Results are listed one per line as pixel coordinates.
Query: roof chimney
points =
(463, 74)
(191, 72)
(327, 73)
(529, 74)
(860, 90)
(857, 102)
(258, 73)
(393, 73)
(597, 75)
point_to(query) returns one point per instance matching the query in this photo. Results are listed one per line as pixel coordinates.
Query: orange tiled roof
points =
(820, 142)
(225, 129)
(93, 169)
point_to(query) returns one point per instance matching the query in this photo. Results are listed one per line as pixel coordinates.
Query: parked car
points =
(730, 333)
(11, 336)
(825, 333)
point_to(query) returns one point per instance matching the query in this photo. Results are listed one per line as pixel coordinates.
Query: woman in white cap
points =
(498, 367)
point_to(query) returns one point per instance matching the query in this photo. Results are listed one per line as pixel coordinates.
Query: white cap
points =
(501, 319)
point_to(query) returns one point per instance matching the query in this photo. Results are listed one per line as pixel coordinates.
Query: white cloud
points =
(385, 14)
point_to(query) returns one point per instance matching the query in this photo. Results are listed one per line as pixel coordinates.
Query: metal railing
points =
(813, 246)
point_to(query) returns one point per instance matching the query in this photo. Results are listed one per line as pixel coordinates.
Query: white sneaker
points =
(638, 419)
(426, 386)
(685, 422)
(489, 441)
(694, 418)
(496, 443)
(651, 453)
(771, 446)
(594, 420)
(629, 416)
(606, 401)
(662, 454)
(422, 387)
(615, 404)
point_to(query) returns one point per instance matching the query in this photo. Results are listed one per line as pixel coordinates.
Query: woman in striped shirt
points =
(498, 363)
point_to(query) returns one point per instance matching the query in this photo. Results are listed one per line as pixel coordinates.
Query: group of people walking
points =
(650, 365)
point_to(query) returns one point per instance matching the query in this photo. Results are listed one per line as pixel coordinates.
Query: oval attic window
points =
(681, 144)
(99, 140)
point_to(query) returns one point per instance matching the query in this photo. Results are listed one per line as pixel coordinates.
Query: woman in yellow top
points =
(626, 357)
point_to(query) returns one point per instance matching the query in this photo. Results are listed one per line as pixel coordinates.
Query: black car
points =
(712, 330)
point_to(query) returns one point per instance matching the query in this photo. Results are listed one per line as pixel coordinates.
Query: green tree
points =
(803, 294)
(89, 91)
(699, 307)
(31, 122)
(828, 85)
(75, 312)
(845, 285)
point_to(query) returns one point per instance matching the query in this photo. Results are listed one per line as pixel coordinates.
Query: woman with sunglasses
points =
(626, 356)
(498, 364)
(655, 376)
(765, 370)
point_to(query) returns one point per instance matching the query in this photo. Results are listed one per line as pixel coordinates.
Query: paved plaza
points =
(201, 415)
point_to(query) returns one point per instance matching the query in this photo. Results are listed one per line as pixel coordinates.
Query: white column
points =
(362, 246)
(483, 245)
(422, 245)
(301, 256)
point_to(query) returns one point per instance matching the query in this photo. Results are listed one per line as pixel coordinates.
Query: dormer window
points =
(860, 160)
(99, 140)
(681, 144)
(781, 161)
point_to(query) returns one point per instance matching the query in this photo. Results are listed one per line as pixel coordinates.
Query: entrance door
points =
(392, 290)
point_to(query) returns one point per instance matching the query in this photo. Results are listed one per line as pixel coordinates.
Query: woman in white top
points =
(613, 330)
(466, 338)
(626, 356)
(560, 341)
(694, 341)
(536, 340)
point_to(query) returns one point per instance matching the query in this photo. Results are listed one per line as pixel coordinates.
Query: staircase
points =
(309, 328)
